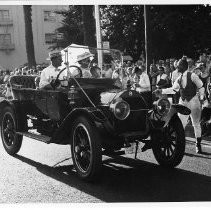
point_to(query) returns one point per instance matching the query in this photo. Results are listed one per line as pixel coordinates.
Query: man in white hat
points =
(49, 74)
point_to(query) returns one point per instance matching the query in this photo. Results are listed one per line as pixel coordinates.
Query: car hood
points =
(103, 91)
(102, 95)
(132, 97)
(108, 96)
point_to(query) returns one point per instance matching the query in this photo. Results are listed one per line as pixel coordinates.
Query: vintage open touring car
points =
(95, 117)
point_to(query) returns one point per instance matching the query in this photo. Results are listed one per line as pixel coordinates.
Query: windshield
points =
(95, 63)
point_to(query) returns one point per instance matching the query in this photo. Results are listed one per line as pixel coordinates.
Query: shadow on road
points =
(137, 181)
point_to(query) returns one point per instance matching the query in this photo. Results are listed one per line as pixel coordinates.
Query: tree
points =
(72, 27)
(180, 29)
(89, 25)
(78, 26)
(29, 35)
(123, 26)
(175, 29)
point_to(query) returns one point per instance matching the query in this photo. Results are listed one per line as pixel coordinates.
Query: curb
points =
(189, 133)
(192, 141)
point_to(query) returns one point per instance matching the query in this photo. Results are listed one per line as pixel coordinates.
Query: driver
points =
(49, 74)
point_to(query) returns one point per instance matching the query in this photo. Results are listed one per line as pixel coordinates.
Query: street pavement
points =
(42, 173)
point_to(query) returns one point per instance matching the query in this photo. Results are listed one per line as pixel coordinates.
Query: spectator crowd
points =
(162, 74)
(24, 70)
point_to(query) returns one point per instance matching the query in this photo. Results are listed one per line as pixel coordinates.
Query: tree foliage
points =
(180, 29)
(78, 26)
(72, 27)
(123, 26)
(174, 29)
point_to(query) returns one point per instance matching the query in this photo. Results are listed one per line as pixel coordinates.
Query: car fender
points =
(175, 108)
(95, 115)
(158, 121)
(20, 118)
(3, 103)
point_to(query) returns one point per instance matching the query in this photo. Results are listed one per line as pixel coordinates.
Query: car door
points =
(40, 101)
(52, 104)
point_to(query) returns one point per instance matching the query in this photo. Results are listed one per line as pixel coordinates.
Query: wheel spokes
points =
(168, 143)
(82, 148)
(8, 130)
(171, 149)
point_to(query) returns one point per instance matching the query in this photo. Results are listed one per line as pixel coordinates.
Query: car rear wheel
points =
(11, 141)
(86, 149)
(169, 144)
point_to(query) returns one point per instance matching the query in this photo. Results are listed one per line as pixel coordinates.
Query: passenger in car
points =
(107, 71)
(95, 72)
(84, 61)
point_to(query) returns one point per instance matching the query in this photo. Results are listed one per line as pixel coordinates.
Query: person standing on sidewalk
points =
(191, 95)
(175, 75)
(162, 78)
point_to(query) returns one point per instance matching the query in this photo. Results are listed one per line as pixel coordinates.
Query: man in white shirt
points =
(174, 76)
(192, 94)
(49, 74)
(191, 66)
(143, 82)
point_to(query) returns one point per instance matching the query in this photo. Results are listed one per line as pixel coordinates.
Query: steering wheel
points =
(79, 71)
(57, 82)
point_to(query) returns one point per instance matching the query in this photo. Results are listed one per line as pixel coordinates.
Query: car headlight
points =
(163, 106)
(121, 109)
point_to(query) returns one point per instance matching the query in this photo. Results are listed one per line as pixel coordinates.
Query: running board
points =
(38, 137)
(113, 153)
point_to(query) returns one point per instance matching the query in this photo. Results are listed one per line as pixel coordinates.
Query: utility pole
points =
(99, 37)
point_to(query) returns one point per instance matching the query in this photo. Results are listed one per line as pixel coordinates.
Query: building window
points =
(50, 38)
(4, 15)
(5, 39)
(49, 16)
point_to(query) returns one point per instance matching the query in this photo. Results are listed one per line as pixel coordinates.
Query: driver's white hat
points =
(84, 56)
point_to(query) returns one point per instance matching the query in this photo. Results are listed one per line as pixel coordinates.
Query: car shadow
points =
(135, 181)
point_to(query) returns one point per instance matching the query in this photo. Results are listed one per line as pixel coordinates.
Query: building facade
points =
(12, 33)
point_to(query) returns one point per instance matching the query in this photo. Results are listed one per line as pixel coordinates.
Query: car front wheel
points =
(169, 144)
(11, 141)
(86, 149)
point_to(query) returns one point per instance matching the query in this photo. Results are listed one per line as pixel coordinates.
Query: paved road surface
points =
(43, 173)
